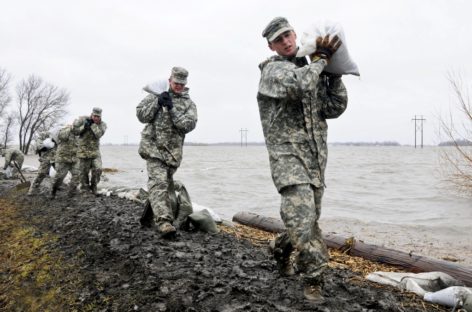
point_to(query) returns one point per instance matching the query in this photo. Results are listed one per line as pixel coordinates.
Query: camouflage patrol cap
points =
(276, 27)
(97, 111)
(179, 75)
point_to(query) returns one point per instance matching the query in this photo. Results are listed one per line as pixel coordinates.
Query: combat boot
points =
(52, 195)
(72, 192)
(166, 230)
(313, 293)
(282, 249)
(93, 188)
(32, 191)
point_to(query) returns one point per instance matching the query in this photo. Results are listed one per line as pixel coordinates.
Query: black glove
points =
(41, 150)
(325, 48)
(88, 122)
(165, 100)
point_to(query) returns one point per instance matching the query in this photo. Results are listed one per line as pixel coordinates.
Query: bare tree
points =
(4, 93)
(458, 130)
(6, 120)
(40, 105)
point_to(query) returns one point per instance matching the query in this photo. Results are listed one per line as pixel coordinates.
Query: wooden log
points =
(409, 261)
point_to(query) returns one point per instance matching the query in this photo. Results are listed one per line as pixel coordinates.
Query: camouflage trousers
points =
(43, 171)
(85, 166)
(300, 211)
(160, 188)
(61, 171)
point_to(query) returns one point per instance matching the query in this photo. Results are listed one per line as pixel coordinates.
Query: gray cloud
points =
(104, 52)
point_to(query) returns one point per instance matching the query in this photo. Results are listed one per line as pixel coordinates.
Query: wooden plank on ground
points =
(412, 262)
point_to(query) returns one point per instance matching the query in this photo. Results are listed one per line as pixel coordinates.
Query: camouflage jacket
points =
(12, 155)
(165, 130)
(67, 146)
(295, 99)
(89, 139)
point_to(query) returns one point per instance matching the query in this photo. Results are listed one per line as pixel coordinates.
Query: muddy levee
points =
(93, 255)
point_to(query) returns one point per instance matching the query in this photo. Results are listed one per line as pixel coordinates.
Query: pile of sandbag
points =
(435, 287)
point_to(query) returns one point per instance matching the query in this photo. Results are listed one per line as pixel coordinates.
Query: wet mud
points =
(104, 260)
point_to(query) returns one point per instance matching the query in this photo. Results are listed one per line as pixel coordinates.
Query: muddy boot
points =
(93, 189)
(54, 189)
(282, 249)
(167, 230)
(72, 192)
(32, 191)
(313, 293)
(84, 188)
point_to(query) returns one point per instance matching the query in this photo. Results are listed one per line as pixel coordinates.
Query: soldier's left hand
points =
(326, 47)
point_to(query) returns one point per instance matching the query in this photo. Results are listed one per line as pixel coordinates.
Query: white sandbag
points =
(214, 215)
(157, 87)
(48, 143)
(203, 221)
(9, 172)
(419, 283)
(450, 296)
(52, 172)
(28, 168)
(341, 62)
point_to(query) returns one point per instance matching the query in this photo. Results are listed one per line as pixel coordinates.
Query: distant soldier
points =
(66, 160)
(90, 129)
(46, 149)
(168, 116)
(13, 158)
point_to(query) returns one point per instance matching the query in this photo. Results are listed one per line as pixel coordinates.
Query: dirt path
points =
(90, 254)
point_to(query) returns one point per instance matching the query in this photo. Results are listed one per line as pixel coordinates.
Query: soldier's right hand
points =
(165, 99)
(326, 47)
(88, 122)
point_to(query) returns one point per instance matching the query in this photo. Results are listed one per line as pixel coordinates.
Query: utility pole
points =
(243, 136)
(419, 127)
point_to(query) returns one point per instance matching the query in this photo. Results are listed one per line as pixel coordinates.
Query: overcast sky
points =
(104, 52)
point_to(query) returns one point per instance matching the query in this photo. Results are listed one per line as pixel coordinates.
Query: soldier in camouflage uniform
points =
(66, 160)
(168, 117)
(46, 149)
(295, 98)
(13, 156)
(90, 129)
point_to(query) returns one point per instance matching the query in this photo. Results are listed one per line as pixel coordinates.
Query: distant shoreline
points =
(263, 144)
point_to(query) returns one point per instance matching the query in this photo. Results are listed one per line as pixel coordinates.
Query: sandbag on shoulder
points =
(157, 87)
(341, 62)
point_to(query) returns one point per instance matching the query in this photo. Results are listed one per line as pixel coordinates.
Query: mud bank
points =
(90, 254)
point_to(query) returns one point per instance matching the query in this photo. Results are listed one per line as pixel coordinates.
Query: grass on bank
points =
(33, 275)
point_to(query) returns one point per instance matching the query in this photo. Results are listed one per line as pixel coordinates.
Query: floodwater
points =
(393, 196)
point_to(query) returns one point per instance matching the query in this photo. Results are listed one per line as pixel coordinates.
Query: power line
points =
(243, 136)
(419, 127)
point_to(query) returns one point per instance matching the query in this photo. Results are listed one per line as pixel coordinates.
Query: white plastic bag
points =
(157, 87)
(341, 62)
